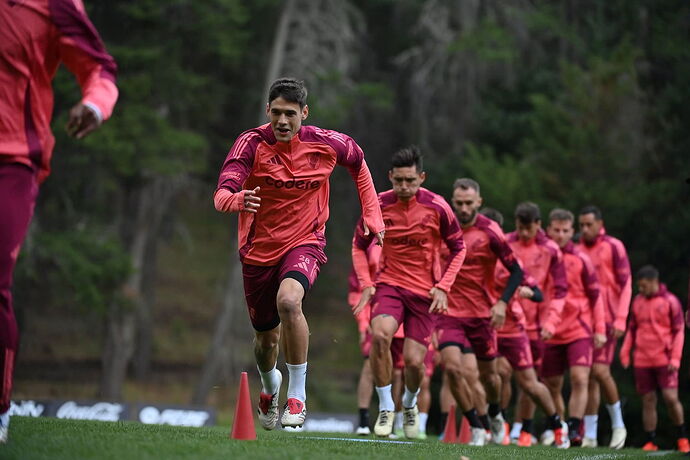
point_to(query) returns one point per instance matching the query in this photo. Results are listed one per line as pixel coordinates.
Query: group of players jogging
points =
(430, 278)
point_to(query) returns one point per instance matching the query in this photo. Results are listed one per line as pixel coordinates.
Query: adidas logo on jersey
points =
(275, 160)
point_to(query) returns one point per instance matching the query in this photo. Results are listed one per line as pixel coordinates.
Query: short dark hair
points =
(407, 157)
(648, 272)
(527, 212)
(290, 89)
(493, 214)
(591, 209)
(561, 214)
(466, 183)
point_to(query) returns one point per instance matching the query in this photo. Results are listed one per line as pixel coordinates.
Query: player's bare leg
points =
(414, 354)
(365, 388)
(488, 373)
(459, 376)
(266, 345)
(296, 339)
(601, 374)
(424, 404)
(555, 386)
(383, 327)
(539, 395)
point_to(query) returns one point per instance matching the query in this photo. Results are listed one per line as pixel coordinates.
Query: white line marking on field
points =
(607, 456)
(357, 440)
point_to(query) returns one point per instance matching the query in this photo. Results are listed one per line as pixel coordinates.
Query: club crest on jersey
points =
(314, 160)
(426, 221)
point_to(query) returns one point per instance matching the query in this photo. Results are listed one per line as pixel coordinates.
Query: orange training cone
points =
(243, 423)
(465, 432)
(450, 432)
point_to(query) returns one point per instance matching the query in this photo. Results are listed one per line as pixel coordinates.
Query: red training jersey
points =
(543, 260)
(583, 312)
(293, 177)
(35, 36)
(470, 296)
(415, 231)
(655, 330)
(613, 270)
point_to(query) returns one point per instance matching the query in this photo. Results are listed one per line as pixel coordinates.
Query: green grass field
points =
(48, 438)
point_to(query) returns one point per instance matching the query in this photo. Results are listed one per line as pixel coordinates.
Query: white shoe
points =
(294, 413)
(618, 438)
(561, 439)
(411, 422)
(478, 437)
(547, 438)
(384, 423)
(498, 428)
(589, 442)
(4, 431)
(363, 431)
(268, 407)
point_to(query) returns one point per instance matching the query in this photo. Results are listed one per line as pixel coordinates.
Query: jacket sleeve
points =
(452, 236)
(677, 330)
(82, 50)
(238, 164)
(559, 286)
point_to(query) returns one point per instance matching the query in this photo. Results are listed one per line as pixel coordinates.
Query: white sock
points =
(269, 380)
(385, 398)
(423, 417)
(397, 422)
(5, 419)
(591, 426)
(515, 430)
(298, 381)
(616, 415)
(409, 398)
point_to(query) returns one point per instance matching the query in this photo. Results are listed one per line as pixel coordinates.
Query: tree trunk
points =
(232, 333)
(129, 322)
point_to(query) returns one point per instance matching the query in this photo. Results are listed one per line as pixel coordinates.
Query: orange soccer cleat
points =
(525, 439)
(683, 445)
(650, 446)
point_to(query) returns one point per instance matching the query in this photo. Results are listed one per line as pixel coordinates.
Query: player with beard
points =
(469, 325)
(411, 287)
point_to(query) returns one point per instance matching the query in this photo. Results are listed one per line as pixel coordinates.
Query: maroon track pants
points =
(18, 191)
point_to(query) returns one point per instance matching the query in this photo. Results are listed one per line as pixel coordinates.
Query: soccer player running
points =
(35, 37)
(656, 333)
(276, 177)
(543, 260)
(470, 324)
(615, 287)
(581, 329)
(410, 287)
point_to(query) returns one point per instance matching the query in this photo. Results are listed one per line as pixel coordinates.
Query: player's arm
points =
(229, 195)
(500, 247)
(451, 233)
(559, 285)
(621, 267)
(82, 50)
(360, 262)
(624, 354)
(352, 158)
(677, 333)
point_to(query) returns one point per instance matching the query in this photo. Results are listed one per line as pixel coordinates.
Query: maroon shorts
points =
(517, 351)
(558, 357)
(537, 348)
(407, 308)
(604, 355)
(648, 379)
(472, 335)
(397, 345)
(365, 346)
(261, 283)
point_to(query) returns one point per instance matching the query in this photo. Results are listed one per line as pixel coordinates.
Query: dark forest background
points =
(127, 286)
